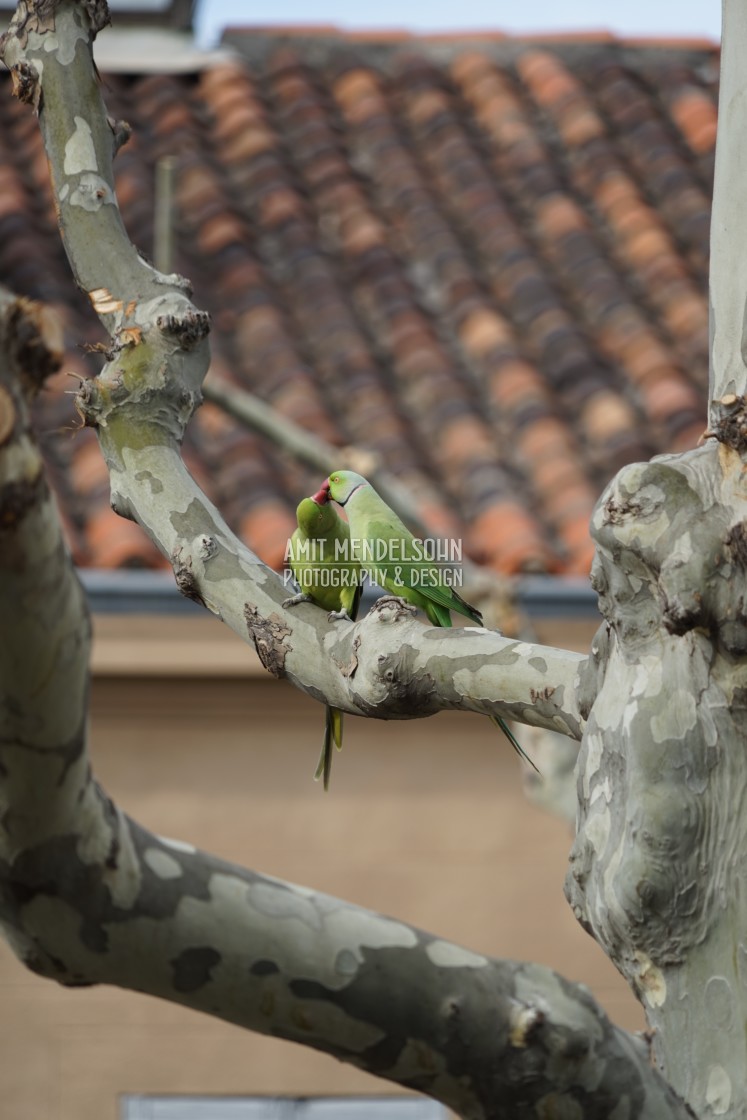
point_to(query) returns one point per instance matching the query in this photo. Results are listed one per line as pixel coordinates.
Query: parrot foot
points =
(296, 599)
(335, 616)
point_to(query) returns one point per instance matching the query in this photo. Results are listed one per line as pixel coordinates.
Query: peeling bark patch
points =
(650, 980)
(53, 868)
(103, 302)
(189, 328)
(98, 14)
(224, 563)
(524, 1022)
(731, 421)
(392, 608)
(121, 133)
(39, 17)
(178, 845)
(446, 955)
(264, 968)
(159, 897)
(66, 43)
(187, 585)
(80, 153)
(408, 693)
(679, 716)
(736, 544)
(192, 968)
(719, 1003)
(26, 84)
(18, 498)
(420, 995)
(91, 192)
(7, 415)
(538, 695)
(186, 580)
(346, 963)
(718, 1090)
(349, 667)
(162, 864)
(156, 486)
(269, 636)
(36, 342)
(277, 901)
(112, 856)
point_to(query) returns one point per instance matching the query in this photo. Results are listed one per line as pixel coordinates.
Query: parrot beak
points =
(322, 495)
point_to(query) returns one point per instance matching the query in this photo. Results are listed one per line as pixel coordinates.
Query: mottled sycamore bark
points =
(659, 866)
(728, 276)
(88, 896)
(660, 860)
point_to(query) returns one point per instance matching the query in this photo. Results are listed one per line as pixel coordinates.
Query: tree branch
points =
(141, 402)
(45, 623)
(88, 896)
(728, 274)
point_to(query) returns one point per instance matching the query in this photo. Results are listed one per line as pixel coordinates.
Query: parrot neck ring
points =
(353, 491)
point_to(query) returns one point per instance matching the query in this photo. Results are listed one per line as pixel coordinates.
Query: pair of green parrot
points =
(326, 557)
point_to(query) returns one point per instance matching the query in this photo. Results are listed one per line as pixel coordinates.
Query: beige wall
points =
(424, 820)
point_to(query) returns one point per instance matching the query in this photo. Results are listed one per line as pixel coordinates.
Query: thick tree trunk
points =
(728, 275)
(660, 859)
(659, 866)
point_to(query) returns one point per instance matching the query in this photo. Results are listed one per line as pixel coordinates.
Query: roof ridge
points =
(385, 35)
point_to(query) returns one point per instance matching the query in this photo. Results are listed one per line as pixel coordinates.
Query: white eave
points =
(132, 50)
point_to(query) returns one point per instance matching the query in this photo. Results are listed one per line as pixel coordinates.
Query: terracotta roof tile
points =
(566, 232)
(505, 535)
(638, 235)
(480, 259)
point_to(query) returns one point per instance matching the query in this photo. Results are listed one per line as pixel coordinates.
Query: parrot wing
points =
(389, 551)
(405, 566)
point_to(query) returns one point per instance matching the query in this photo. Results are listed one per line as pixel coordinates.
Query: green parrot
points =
(385, 547)
(328, 577)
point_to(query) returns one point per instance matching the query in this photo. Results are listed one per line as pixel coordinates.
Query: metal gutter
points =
(147, 592)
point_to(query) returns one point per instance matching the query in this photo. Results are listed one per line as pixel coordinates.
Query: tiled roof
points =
(483, 260)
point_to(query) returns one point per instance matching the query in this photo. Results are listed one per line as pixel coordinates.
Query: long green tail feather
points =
(438, 616)
(336, 717)
(512, 739)
(332, 734)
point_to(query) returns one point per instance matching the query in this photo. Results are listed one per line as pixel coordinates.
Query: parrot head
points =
(314, 517)
(342, 484)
